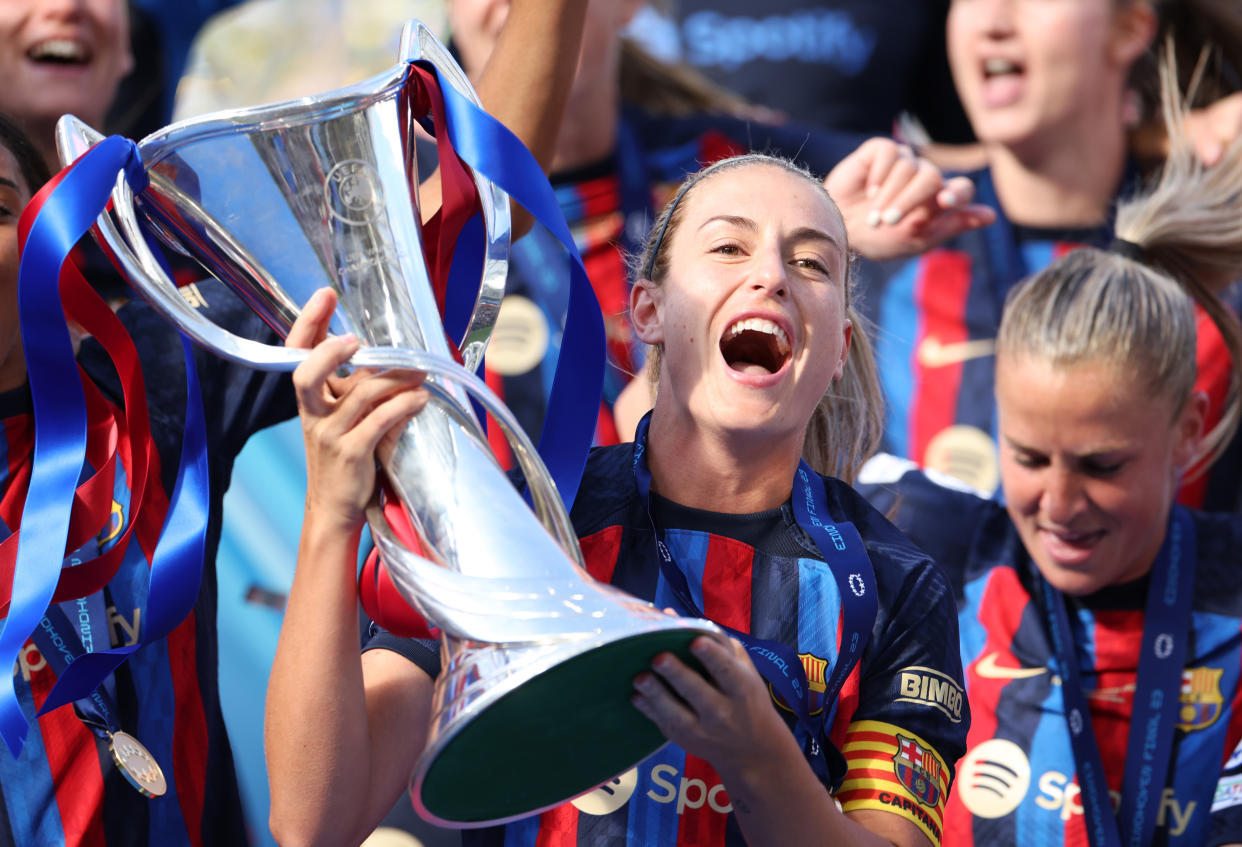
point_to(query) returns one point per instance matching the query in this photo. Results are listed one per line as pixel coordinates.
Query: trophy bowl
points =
(277, 201)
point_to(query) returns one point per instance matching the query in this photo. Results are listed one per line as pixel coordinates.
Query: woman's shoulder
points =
(947, 519)
(896, 559)
(1218, 538)
(607, 488)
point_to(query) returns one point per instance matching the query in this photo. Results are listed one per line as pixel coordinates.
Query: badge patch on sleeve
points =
(895, 771)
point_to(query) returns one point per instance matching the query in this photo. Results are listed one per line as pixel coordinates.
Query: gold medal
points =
(966, 453)
(519, 339)
(137, 764)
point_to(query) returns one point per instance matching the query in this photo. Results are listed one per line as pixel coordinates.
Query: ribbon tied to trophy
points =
(277, 201)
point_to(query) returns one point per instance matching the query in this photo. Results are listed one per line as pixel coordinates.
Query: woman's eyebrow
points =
(9, 183)
(806, 233)
(736, 220)
(810, 233)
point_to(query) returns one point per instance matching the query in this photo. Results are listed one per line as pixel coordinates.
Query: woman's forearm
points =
(317, 736)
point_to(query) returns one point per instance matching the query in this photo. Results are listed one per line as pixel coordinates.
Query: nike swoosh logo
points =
(933, 354)
(988, 669)
(1112, 695)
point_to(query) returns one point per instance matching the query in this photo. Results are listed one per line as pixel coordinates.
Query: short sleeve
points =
(938, 513)
(423, 652)
(910, 724)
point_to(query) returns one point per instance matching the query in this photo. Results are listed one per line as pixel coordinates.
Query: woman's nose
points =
(771, 273)
(1062, 497)
(996, 17)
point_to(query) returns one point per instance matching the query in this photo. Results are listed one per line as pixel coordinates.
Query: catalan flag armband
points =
(895, 771)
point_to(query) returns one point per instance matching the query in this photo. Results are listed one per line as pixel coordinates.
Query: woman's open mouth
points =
(755, 346)
(64, 52)
(1069, 549)
(1003, 82)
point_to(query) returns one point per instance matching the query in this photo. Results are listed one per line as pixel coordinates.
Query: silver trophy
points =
(278, 201)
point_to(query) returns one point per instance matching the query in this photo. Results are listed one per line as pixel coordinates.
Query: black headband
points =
(1126, 248)
(659, 242)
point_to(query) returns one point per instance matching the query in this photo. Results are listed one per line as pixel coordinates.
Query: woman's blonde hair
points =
(848, 421)
(1129, 305)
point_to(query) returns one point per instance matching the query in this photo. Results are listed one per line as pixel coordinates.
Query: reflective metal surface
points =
(279, 201)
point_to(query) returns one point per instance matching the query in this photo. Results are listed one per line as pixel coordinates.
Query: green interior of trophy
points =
(559, 734)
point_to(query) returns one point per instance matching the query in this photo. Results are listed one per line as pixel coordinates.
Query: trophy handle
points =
(545, 498)
(139, 263)
(129, 246)
(486, 609)
(419, 44)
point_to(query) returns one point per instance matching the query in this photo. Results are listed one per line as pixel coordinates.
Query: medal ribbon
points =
(59, 643)
(92, 500)
(1156, 696)
(778, 663)
(51, 225)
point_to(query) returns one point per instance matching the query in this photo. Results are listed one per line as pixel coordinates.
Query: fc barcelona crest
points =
(815, 668)
(917, 769)
(1201, 700)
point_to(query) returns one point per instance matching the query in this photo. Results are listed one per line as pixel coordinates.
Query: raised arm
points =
(338, 751)
(525, 83)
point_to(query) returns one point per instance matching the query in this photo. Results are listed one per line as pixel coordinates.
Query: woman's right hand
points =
(345, 420)
(897, 204)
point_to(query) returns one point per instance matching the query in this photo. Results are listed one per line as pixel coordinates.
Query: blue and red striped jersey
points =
(936, 318)
(900, 719)
(607, 218)
(64, 788)
(1017, 783)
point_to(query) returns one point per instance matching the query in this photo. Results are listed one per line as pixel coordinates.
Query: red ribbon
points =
(379, 596)
(112, 433)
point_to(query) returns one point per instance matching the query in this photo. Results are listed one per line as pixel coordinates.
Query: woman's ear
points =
(845, 350)
(1188, 431)
(1134, 29)
(646, 312)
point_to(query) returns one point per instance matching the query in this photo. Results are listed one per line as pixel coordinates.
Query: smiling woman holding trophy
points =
(833, 714)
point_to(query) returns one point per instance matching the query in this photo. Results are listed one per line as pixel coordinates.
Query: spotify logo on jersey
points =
(993, 778)
(610, 796)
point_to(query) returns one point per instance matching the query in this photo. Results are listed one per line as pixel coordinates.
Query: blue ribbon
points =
(1156, 696)
(846, 556)
(464, 274)
(176, 566)
(59, 410)
(488, 147)
(536, 257)
(60, 445)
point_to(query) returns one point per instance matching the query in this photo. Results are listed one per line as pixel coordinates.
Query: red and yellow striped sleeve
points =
(895, 771)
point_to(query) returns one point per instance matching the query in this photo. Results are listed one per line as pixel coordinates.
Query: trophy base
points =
(557, 735)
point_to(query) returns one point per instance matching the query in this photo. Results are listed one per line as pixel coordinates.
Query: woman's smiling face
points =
(1028, 71)
(1090, 464)
(751, 312)
(58, 57)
